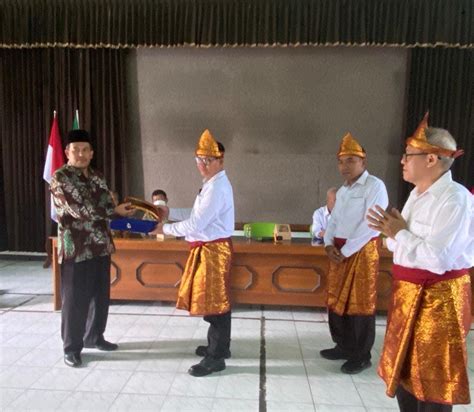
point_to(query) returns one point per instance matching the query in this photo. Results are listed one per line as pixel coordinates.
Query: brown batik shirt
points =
(84, 207)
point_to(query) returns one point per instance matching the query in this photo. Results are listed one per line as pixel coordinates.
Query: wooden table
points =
(289, 274)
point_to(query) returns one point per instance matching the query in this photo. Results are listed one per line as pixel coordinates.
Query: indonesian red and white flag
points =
(54, 158)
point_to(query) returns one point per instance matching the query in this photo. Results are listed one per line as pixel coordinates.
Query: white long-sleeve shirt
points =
(348, 218)
(440, 234)
(320, 221)
(177, 214)
(212, 216)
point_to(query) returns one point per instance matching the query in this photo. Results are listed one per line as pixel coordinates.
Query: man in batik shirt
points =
(84, 206)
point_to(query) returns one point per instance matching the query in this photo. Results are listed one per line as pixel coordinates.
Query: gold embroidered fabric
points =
(207, 145)
(205, 286)
(352, 284)
(425, 342)
(350, 147)
(419, 141)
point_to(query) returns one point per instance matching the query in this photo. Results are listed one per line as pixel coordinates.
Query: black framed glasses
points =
(405, 155)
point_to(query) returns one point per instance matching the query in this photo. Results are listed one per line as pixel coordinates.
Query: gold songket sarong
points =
(425, 342)
(352, 284)
(205, 285)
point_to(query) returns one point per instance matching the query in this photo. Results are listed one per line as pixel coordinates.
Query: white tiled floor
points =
(149, 371)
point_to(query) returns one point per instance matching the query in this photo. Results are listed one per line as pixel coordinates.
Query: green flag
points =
(75, 123)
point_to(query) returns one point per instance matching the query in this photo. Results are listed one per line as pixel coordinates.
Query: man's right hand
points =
(334, 254)
(125, 209)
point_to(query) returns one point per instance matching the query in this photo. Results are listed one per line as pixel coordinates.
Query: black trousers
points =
(354, 334)
(408, 403)
(218, 334)
(85, 294)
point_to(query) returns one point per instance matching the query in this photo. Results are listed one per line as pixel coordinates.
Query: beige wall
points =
(280, 112)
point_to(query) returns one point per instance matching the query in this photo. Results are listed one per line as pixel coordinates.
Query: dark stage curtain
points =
(3, 223)
(442, 81)
(33, 83)
(132, 23)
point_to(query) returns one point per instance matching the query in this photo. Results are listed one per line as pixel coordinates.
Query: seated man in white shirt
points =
(424, 361)
(160, 199)
(321, 217)
(205, 285)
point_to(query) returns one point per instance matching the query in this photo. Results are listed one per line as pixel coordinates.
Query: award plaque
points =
(146, 207)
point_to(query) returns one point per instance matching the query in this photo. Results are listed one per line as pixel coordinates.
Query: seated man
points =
(321, 217)
(160, 199)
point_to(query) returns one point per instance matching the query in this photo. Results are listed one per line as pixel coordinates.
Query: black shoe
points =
(72, 359)
(103, 345)
(352, 367)
(202, 351)
(334, 354)
(207, 366)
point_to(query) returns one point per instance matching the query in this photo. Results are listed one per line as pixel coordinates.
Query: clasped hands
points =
(334, 254)
(387, 222)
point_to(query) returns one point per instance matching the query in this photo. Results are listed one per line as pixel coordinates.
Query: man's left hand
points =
(388, 223)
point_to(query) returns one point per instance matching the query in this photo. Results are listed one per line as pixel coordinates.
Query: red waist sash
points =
(199, 243)
(339, 242)
(423, 276)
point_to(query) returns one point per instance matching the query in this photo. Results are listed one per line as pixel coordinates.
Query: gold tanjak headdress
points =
(350, 147)
(207, 146)
(419, 141)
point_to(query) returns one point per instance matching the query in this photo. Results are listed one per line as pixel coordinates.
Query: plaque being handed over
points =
(138, 225)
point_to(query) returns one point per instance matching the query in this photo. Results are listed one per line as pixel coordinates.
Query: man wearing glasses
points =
(205, 285)
(424, 361)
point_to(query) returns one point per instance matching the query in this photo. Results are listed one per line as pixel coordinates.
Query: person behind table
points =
(205, 285)
(321, 217)
(84, 207)
(424, 359)
(160, 199)
(353, 251)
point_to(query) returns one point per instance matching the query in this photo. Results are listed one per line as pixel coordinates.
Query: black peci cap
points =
(78, 135)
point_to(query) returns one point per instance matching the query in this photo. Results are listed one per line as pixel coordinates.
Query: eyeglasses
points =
(405, 155)
(206, 161)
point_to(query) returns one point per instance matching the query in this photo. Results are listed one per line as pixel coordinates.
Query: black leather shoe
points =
(353, 367)
(103, 345)
(202, 351)
(72, 359)
(207, 366)
(334, 354)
